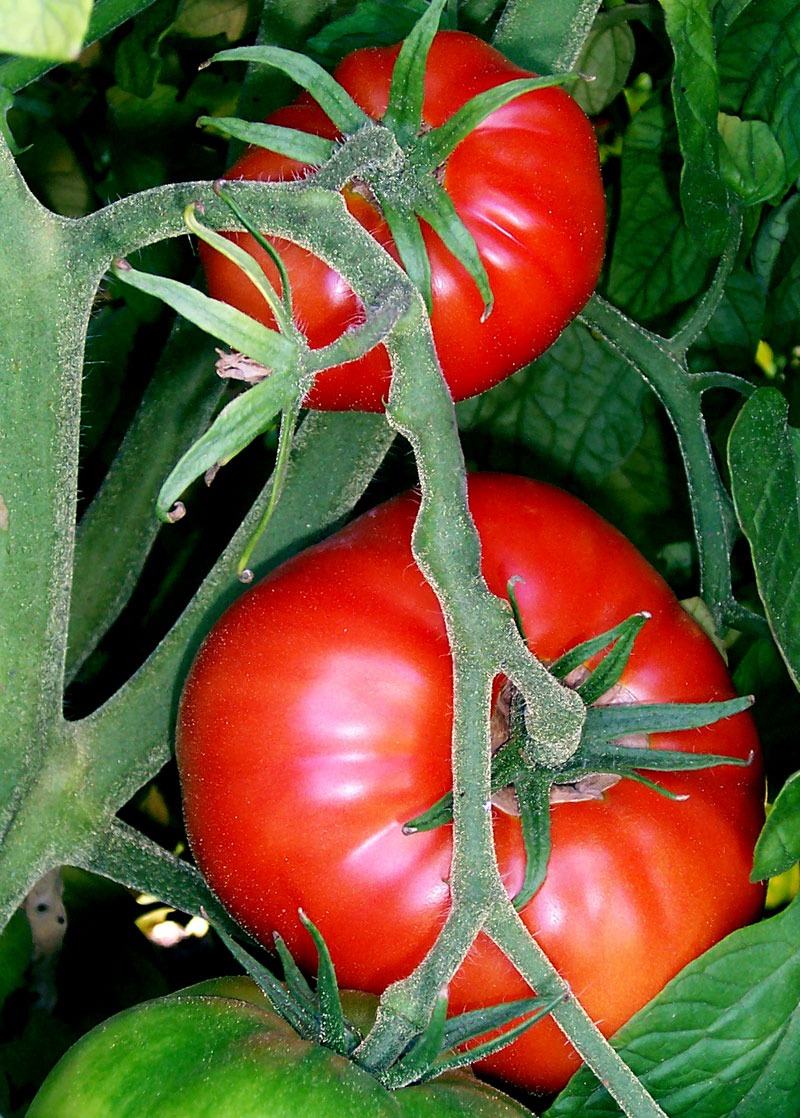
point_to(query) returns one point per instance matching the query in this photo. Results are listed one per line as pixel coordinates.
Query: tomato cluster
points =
(526, 183)
(316, 721)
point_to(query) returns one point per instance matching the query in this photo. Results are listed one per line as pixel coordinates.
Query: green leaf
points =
(778, 846)
(751, 160)
(7, 103)
(46, 29)
(215, 317)
(293, 977)
(543, 35)
(609, 671)
(302, 146)
(657, 262)
(488, 1047)
(695, 94)
(721, 1039)
(16, 72)
(327, 92)
(604, 65)
(759, 67)
(579, 407)
(764, 459)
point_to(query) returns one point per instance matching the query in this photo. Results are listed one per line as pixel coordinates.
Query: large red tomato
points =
(316, 721)
(527, 185)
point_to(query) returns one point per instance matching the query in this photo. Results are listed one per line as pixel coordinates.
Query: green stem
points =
(665, 371)
(702, 314)
(514, 939)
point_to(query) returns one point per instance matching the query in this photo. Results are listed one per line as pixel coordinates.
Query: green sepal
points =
(294, 1012)
(326, 91)
(407, 236)
(294, 978)
(239, 422)
(423, 1052)
(620, 758)
(239, 256)
(267, 347)
(305, 147)
(578, 655)
(334, 1032)
(436, 207)
(533, 796)
(639, 778)
(465, 1027)
(489, 1047)
(605, 723)
(432, 148)
(609, 671)
(272, 253)
(407, 90)
(289, 419)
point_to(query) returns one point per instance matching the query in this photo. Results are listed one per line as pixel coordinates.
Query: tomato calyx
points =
(316, 1014)
(398, 161)
(614, 745)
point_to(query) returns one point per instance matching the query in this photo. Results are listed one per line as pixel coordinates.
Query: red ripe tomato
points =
(316, 720)
(527, 185)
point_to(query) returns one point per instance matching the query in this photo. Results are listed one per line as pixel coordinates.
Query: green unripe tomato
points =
(218, 1051)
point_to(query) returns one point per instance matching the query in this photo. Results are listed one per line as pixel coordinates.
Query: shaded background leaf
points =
(657, 262)
(603, 65)
(48, 29)
(695, 94)
(579, 406)
(751, 160)
(759, 67)
(764, 458)
(545, 36)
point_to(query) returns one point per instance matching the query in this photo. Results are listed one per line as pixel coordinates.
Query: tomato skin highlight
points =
(218, 1049)
(527, 185)
(316, 720)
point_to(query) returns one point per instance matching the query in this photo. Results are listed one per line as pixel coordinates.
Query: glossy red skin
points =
(527, 185)
(316, 721)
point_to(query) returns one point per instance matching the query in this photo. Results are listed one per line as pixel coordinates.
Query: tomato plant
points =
(217, 1048)
(526, 184)
(316, 722)
(666, 403)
